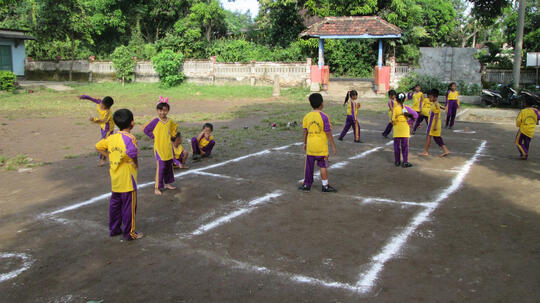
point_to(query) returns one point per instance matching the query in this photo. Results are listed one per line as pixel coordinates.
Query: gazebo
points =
(361, 27)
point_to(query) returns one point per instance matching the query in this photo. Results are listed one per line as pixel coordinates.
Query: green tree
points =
(488, 10)
(168, 64)
(123, 63)
(209, 17)
(280, 21)
(531, 37)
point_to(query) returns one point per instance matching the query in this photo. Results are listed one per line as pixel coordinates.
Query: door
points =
(5, 58)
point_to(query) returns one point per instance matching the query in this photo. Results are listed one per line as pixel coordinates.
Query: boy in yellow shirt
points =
(434, 126)
(317, 133)
(122, 151)
(402, 131)
(425, 109)
(179, 153)
(526, 122)
(104, 120)
(203, 144)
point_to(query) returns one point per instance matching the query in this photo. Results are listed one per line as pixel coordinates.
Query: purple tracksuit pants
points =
(348, 124)
(122, 209)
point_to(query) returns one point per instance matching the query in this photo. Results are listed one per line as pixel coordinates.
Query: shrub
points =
(7, 80)
(168, 65)
(429, 82)
(123, 63)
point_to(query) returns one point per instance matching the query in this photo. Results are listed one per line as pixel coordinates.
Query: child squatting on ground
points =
(203, 144)
(352, 116)
(104, 120)
(526, 122)
(402, 131)
(317, 133)
(121, 148)
(162, 130)
(434, 126)
(180, 155)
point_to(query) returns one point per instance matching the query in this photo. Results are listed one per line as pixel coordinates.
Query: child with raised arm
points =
(425, 108)
(526, 122)
(104, 120)
(203, 144)
(400, 120)
(352, 116)
(121, 148)
(317, 133)
(434, 126)
(179, 154)
(162, 130)
(391, 103)
(452, 104)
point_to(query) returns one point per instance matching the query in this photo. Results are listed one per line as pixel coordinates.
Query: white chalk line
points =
(462, 112)
(367, 279)
(26, 260)
(218, 176)
(253, 204)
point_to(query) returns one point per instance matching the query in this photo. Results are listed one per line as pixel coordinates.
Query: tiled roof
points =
(15, 34)
(372, 26)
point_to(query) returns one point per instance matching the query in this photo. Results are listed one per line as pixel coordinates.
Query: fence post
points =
(276, 92)
(213, 69)
(252, 73)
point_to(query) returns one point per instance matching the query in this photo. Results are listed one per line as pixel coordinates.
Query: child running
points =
(452, 105)
(352, 118)
(317, 133)
(179, 154)
(104, 120)
(162, 130)
(121, 148)
(391, 103)
(526, 122)
(425, 108)
(400, 121)
(202, 145)
(416, 95)
(434, 126)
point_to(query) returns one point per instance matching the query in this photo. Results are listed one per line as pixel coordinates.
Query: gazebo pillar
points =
(321, 53)
(379, 62)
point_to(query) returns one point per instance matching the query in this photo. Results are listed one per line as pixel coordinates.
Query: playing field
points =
(459, 229)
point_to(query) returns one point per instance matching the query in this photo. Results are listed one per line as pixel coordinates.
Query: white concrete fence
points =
(200, 71)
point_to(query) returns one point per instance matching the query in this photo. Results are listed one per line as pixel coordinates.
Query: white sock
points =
(324, 182)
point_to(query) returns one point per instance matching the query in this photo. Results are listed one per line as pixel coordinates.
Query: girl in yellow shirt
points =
(452, 104)
(179, 154)
(352, 118)
(434, 126)
(400, 121)
(162, 130)
(526, 121)
(391, 103)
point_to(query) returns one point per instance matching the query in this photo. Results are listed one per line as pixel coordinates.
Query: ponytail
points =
(347, 98)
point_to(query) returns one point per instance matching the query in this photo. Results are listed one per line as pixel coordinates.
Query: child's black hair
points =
(123, 118)
(401, 98)
(107, 102)
(450, 85)
(417, 85)
(315, 100)
(392, 93)
(434, 92)
(178, 135)
(161, 105)
(209, 125)
(351, 93)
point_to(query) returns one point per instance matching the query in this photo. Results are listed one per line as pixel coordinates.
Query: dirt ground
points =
(238, 230)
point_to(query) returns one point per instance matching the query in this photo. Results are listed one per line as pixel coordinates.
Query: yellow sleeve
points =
(174, 128)
(457, 97)
(519, 118)
(102, 145)
(304, 122)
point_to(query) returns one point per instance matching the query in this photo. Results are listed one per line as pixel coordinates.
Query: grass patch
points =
(71, 156)
(19, 161)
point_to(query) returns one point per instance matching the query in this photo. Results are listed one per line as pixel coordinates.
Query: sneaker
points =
(340, 139)
(413, 132)
(303, 187)
(407, 164)
(397, 163)
(358, 141)
(328, 189)
(386, 136)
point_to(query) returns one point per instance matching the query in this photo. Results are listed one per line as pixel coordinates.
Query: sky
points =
(242, 6)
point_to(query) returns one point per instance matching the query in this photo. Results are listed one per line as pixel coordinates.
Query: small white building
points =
(12, 51)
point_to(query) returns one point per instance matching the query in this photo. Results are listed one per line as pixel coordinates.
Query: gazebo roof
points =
(352, 28)
(15, 34)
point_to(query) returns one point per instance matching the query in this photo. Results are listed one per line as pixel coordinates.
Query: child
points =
(121, 148)
(104, 120)
(417, 97)
(425, 108)
(452, 104)
(400, 117)
(526, 121)
(162, 130)
(352, 120)
(434, 126)
(203, 144)
(317, 133)
(179, 154)
(391, 103)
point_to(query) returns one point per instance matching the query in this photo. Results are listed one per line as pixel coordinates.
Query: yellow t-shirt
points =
(527, 121)
(426, 107)
(317, 125)
(435, 114)
(123, 151)
(391, 105)
(203, 141)
(105, 116)
(453, 96)
(162, 132)
(401, 127)
(178, 151)
(417, 97)
(352, 108)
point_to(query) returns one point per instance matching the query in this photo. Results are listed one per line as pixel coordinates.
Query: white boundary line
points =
(218, 176)
(27, 262)
(227, 218)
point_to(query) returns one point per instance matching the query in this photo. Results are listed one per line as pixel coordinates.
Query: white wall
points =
(18, 54)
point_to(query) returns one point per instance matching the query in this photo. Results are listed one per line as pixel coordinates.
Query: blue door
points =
(5, 58)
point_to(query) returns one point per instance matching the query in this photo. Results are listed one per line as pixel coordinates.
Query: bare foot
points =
(445, 154)
(102, 162)
(138, 236)
(157, 191)
(168, 186)
(423, 154)
(184, 166)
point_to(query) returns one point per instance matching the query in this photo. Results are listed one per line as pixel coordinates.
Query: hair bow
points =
(163, 100)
